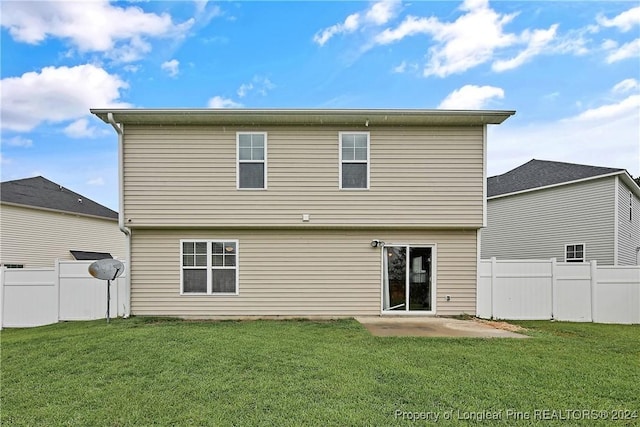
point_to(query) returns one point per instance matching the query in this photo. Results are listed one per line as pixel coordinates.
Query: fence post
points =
(2, 269)
(594, 283)
(554, 283)
(494, 263)
(56, 270)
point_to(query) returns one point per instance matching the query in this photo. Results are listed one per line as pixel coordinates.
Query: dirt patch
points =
(501, 325)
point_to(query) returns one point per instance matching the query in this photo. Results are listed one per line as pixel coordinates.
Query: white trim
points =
(367, 162)
(584, 251)
(528, 190)
(616, 221)
(484, 176)
(434, 275)
(264, 134)
(209, 267)
(478, 260)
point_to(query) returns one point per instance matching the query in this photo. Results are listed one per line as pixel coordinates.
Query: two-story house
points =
(571, 212)
(302, 212)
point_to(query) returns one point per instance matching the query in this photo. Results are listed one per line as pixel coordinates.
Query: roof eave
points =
(342, 117)
(60, 211)
(624, 175)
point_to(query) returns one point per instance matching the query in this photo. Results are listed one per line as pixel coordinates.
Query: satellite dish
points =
(106, 269)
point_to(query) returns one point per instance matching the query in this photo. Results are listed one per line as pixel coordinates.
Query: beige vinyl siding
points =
(628, 230)
(296, 272)
(186, 176)
(36, 237)
(538, 224)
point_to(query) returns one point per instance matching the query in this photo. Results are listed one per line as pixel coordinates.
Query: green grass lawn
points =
(167, 372)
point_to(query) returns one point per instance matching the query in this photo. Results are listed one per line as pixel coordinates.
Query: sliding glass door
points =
(407, 279)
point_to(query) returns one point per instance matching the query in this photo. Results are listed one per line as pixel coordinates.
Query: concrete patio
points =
(384, 326)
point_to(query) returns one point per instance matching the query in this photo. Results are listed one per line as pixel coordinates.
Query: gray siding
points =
(36, 237)
(539, 224)
(297, 272)
(186, 176)
(628, 228)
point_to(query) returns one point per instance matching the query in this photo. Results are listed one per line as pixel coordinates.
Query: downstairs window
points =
(209, 267)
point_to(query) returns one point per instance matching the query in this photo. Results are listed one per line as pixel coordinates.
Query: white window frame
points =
(209, 267)
(434, 276)
(367, 162)
(251, 161)
(630, 206)
(584, 252)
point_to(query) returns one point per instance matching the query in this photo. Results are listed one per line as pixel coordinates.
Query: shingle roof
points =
(542, 173)
(42, 193)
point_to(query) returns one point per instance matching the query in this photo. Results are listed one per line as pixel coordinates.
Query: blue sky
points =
(571, 70)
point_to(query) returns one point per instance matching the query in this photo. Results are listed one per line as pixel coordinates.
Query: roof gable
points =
(41, 193)
(542, 173)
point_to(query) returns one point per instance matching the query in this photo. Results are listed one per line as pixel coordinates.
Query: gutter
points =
(127, 231)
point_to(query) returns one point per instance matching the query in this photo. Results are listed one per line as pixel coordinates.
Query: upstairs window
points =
(209, 267)
(354, 160)
(630, 206)
(574, 253)
(252, 160)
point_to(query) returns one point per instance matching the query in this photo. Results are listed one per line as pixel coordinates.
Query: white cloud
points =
(350, 24)
(627, 85)
(471, 97)
(382, 12)
(81, 129)
(18, 141)
(131, 68)
(629, 105)
(171, 67)
(470, 40)
(400, 68)
(99, 181)
(410, 26)
(57, 95)
(538, 41)
(260, 84)
(626, 51)
(220, 102)
(379, 13)
(201, 5)
(244, 89)
(606, 135)
(5, 160)
(135, 50)
(624, 21)
(90, 26)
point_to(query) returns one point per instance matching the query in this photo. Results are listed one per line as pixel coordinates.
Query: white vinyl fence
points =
(546, 289)
(41, 296)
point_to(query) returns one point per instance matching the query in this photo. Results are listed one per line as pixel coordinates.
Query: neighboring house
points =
(574, 213)
(41, 221)
(302, 212)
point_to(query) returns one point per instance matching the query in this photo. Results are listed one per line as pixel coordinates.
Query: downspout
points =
(127, 231)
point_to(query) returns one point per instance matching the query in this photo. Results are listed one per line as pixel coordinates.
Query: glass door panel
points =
(395, 272)
(420, 279)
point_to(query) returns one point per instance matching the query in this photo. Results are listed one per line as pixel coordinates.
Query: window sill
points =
(204, 294)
